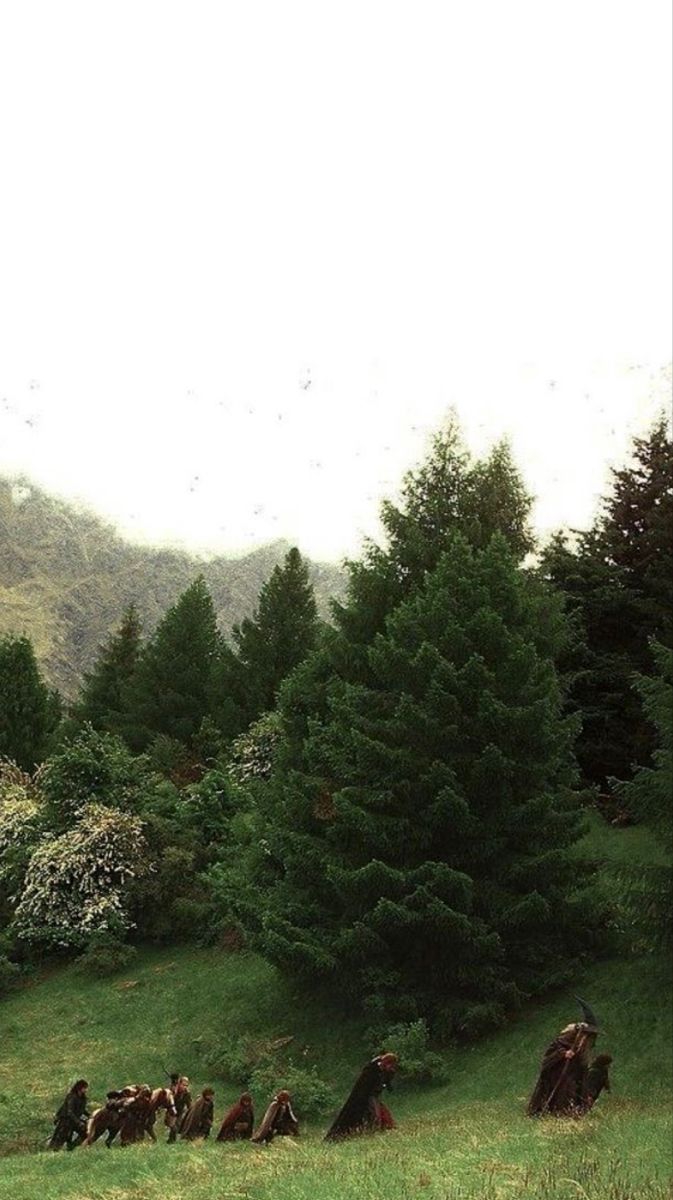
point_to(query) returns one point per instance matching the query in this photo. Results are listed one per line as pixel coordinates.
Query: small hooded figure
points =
(238, 1123)
(70, 1120)
(598, 1079)
(135, 1115)
(279, 1120)
(364, 1111)
(561, 1085)
(198, 1121)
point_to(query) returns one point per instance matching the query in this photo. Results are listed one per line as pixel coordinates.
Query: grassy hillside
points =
(66, 577)
(468, 1138)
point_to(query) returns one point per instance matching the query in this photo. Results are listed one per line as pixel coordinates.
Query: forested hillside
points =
(66, 576)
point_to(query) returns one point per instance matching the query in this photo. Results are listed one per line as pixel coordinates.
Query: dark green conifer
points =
(103, 699)
(421, 831)
(279, 635)
(649, 797)
(28, 710)
(172, 689)
(617, 579)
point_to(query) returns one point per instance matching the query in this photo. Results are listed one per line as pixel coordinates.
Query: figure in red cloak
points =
(364, 1111)
(238, 1122)
(279, 1120)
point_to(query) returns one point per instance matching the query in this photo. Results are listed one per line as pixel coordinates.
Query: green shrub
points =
(418, 1063)
(263, 1069)
(235, 1061)
(105, 955)
(9, 973)
(310, 1094)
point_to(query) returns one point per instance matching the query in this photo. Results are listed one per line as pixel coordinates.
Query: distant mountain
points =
(66, 576)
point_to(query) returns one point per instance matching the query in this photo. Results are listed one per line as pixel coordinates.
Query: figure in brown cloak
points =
(183, 1102)
(279, 1120)
(108, 1118)
(561, 1086)
(598, 1079)
(135, 1116)
(71, 1118)
(198, 1121)
(238, 1123)
(364, 1111)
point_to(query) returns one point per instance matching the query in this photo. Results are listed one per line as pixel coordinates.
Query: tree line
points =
(402, 786)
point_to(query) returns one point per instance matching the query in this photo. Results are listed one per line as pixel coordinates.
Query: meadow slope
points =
(468, 1138)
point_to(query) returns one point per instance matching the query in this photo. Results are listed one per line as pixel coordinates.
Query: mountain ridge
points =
(67, 574)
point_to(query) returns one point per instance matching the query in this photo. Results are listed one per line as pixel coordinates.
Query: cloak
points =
(237, 1124)
(278, 1120)
(363, 1110)
(198, 1120)
(598, 1078)
(561, 1084)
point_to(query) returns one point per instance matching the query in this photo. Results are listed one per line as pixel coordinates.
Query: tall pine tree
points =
(448, 493)
(173, 687)
(269, 645)
(103, 698)
(617, 579)
(28, 710)
(649, 796)
(421, 830)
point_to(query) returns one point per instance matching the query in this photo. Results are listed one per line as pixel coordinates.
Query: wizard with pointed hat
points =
(561, 1086)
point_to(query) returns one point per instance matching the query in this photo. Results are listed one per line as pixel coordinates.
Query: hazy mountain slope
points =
(66, 576)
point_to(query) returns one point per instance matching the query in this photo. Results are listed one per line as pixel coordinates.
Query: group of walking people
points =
(130, 1113)
(569, 1084)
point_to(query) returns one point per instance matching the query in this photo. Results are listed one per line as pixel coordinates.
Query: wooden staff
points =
(577, 1047)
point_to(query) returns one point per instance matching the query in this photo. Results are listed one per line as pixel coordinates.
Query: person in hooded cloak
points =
(198, 1121)
(279, 1120)
(561, 1085)
(70, 1120)
(364, 1111)
(135, 1115)
(238, 1123)
(598, 1079)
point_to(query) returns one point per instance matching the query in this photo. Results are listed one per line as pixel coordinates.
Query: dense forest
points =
(403, 784)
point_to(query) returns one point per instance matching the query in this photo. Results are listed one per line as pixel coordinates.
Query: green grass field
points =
(469, 1138)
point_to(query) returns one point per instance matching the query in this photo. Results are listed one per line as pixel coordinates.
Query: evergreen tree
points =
(103, 699)
(28, 710)
(420, 834)
(617, 581)
(279, 635)
(636, 533)
(448, 493)
(172, 689)
(649, 796)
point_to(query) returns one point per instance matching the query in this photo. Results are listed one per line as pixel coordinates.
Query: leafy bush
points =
(9, 973)
(105, 955)
(78, 883)
(92, 766)
(235, 1061)
(251, 756)
(263, 1069)
(418, 1063)
(310, 1094)
(21, 823)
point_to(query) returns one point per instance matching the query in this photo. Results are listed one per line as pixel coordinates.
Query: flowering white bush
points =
(251, 755)
(76, 884)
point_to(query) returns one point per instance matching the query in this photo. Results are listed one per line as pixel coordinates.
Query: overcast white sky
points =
(252, 252)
